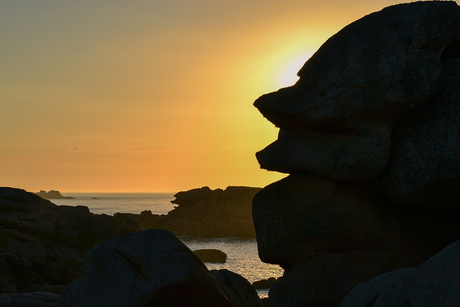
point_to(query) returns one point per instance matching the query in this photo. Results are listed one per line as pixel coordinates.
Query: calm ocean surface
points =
(242, 254)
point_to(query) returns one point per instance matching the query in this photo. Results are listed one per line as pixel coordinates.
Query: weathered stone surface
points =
(247, 295)
(264, 283)
(20, 210)
(205, 213)
(424, 168)
(144, 269)
(301, 217)
(349, 157)
(370, 136)
(211, 255)
(436, 283)
(7, 278)
(23, 245)
(45, 243)
(333, 236)
(356, 87)
(326, 279)
(27, 278)
(35, 299)
(381, 290)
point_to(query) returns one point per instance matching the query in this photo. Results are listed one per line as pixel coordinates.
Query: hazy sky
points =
(149, 96)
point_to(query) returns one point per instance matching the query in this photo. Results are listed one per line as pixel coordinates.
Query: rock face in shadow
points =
(211, 255)
(370, 135)
(205, 213)
(152, 268)
(434, 283)
(42, 245)
(339, 115)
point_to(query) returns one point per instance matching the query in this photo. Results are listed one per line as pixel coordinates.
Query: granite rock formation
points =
(205, 213)
(42, 245)
(153, 268)
(434, 283)
(370, 135)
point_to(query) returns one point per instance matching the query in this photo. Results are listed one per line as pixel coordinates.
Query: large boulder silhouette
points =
(355, 88)
(147, 268)
(370, 135)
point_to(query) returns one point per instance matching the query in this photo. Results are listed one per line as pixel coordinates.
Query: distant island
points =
(52, 194)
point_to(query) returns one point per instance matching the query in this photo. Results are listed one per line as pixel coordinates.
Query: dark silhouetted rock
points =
(52, 194)
(370, 135)
(7, 278)
(34, 299)
(264, 283)
(355, 88)
(388, 290)
(317, 216)
(205, 213)
(211, 255)
(424, 169)
(247, 296)
(147, 268)
(434, 284)
(326, 279)
(23, 246)
(43, 244)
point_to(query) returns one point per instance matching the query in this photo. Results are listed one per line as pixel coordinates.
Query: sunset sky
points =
(149, 96)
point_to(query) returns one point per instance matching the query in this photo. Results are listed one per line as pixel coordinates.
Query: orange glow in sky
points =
(149, 96)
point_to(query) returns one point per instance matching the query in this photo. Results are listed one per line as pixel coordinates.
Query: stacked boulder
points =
(370, 135)
(205, 213)
(42, 245)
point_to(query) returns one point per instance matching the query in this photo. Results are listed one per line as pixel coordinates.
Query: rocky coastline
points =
(43, 246)
(368, 215)
(205, 213)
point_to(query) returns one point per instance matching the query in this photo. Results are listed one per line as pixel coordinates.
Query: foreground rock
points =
(211, 255)
(424, 169)
(33, 299)
(434, 283)
(42, 244)
(153, 268)
(205, 213)
(370, 135)
(264, 283)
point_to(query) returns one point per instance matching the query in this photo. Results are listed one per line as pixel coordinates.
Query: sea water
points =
(242, 256)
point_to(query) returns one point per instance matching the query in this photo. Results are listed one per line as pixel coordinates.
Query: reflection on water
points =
(242, 258)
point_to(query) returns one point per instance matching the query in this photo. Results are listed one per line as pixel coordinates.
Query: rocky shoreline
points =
(43, 246)
(368, 215)
(205, 213)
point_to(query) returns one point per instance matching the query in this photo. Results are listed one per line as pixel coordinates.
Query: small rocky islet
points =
(368, 215)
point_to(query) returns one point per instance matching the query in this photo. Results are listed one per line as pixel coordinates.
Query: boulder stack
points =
(370, 135)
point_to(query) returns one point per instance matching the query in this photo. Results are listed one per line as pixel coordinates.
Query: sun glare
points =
(289, 77)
